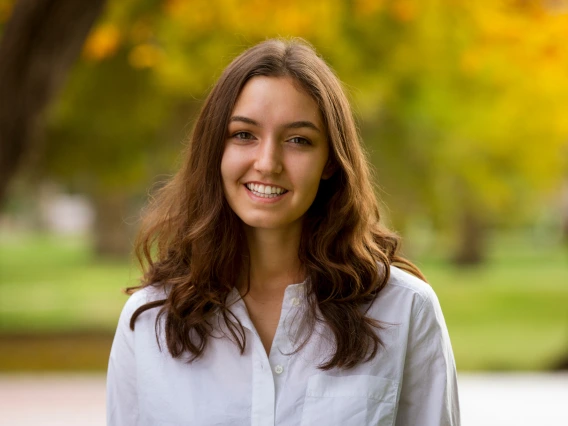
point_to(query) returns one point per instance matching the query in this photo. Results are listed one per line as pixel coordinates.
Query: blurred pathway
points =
(49, 400)
(486, 400)
(514, 399)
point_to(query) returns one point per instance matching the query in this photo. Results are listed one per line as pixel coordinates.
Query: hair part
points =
(193, 244)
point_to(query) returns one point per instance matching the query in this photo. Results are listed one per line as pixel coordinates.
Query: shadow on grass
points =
(89, 351)
(85, 351)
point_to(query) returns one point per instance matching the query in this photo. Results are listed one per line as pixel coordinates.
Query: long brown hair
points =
(193, 244)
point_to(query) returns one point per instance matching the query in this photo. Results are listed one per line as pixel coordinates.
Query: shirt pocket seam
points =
(357, 386)
(374, 388)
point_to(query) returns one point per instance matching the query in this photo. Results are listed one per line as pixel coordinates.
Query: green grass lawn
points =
(56, 285)
(512, 314)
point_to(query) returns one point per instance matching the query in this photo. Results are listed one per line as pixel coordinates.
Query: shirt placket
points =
(263, 393)
(263, 396)
(270, 372)
(282, 346)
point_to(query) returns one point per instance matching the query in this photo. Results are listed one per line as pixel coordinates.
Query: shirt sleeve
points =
(122, 398)
(429, 395)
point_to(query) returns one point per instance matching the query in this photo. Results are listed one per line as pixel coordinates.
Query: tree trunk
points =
(471, 239)
(112, 233)
(41, 40)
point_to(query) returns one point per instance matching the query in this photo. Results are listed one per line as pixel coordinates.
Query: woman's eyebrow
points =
(300, 124)
(244, 120)
(293, 125)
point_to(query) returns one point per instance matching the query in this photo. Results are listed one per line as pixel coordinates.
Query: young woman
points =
(270, 294)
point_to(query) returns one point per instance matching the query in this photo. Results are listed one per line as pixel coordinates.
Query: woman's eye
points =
(243, 135)
(300, 141)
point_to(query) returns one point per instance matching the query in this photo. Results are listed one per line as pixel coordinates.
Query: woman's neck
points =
(274, 262)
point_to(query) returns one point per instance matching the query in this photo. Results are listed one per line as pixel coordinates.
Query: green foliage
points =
(461, 104)
(106, 132)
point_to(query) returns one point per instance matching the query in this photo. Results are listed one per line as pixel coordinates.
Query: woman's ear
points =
(329, 169)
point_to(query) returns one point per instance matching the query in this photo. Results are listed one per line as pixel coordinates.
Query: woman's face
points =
(275, 154)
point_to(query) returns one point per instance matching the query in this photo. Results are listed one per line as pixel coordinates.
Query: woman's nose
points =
(269, 158)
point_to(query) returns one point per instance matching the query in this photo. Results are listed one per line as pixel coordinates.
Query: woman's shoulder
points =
(404, 282)
(405, 299)
(141, 297)
(404, 289)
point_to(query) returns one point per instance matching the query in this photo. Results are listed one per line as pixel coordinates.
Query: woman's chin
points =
(270, 223)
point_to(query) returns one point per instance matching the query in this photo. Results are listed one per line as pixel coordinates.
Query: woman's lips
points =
(265, 198)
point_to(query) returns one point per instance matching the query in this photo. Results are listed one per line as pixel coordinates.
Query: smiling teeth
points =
(265, 191)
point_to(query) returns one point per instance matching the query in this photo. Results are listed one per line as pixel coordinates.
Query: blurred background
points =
(462, 106)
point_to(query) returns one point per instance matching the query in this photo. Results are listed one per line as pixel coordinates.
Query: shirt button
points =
(278, 369)
(295, 301)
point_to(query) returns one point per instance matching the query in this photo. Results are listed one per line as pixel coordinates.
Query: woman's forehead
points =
(272, 100)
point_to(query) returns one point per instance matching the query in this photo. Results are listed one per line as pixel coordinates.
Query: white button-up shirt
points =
(411, 381)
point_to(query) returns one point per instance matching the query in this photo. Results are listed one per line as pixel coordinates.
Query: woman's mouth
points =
(265, 191)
